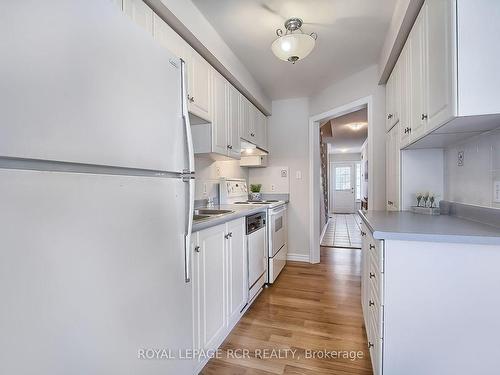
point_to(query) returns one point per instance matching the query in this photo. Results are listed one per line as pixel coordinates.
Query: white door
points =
(210, 266)
(343, 188)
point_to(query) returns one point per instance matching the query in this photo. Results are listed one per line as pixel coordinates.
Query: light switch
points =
(496, 191)
(298, 175)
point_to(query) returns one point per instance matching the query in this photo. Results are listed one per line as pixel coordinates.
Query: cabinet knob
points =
(230, 234)
(389, 116)
(363, 233)
(191, 99)
(197, 249)
(372, 275)
(424, 116)
(372, 247)
(226, 236)
(370, 345)
(229, 147)
(371, 303)
(252, 134)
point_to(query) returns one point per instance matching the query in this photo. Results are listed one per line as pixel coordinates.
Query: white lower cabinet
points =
(372, 297)
(219, 280)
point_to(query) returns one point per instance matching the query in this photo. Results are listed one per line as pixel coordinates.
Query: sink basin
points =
(211, 212)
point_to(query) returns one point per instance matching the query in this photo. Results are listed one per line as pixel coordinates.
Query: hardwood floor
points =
(311, 307)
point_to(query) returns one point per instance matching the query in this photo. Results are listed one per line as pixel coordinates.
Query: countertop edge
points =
(226, 218)
(424, 237)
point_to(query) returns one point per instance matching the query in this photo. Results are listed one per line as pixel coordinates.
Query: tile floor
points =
(343, 231)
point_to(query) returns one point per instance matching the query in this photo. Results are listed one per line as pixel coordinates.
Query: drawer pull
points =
(371, 303)
(197, 249)
(372, 247)
(372, 275)
(363, 233)
(370, 345)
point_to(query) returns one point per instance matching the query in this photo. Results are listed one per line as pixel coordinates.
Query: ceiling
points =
(341, 136)
(350, 37)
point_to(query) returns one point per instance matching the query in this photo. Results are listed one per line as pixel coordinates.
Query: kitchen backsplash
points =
(471, 170)
(208, 173)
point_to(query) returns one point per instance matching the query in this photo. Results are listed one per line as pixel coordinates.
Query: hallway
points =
(310, 307)
(343, 231)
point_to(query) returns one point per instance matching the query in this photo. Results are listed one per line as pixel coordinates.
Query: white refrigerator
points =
(96, 194)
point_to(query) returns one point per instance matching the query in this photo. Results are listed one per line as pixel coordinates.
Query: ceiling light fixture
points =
(357, 125)
(293, 47)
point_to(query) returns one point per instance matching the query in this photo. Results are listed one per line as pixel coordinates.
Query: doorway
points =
(343, 188)
(341, 152)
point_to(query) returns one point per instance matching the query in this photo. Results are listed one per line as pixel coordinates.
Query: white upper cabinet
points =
(199, 85)
(139, 13)
(440, 105)
(220, 143)
(253, 126)
(417, 77)
(452, 74)
(393, 169)
(261, 129)
(393, 98)
(233, 121)
(245, 118)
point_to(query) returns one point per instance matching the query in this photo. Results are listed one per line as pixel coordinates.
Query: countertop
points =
(409, 226)
(240, 210)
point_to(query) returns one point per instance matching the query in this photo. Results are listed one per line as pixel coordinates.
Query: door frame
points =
(314, 166)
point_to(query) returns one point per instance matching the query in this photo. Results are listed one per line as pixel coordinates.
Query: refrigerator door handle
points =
(185, 118)
(189, 228)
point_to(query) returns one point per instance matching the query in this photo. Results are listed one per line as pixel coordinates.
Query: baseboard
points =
(298, 257)
(323, 231)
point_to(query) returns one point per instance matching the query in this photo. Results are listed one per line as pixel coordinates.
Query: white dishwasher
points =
(257, 254)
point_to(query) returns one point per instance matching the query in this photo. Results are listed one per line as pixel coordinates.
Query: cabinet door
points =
(139, 13)
(439, 62)
(219, 127)
(393, 97)
(260, 129)
(405, 95)
(252, 123)
(168, 38)
(211, 266)
(233, 121)
(237, 283)
(199, 82)
(392, 168)
(244, 118)
(418, 83)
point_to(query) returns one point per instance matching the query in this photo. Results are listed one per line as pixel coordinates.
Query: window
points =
(358, 181)
(342, 178)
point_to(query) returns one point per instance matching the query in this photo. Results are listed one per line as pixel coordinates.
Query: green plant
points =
(255, 188)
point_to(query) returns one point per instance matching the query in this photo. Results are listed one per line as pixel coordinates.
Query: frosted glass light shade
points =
(293, 47)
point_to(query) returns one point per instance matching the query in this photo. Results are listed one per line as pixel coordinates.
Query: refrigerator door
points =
(79, 82)
(91, 272)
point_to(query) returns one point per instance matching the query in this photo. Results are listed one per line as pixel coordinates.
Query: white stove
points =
(235, 191)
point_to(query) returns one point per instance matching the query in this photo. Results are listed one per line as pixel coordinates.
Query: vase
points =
(255, 196)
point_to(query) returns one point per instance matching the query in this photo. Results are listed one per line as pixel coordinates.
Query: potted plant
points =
(255, 194)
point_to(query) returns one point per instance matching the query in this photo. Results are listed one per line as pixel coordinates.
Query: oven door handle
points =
(278, 210)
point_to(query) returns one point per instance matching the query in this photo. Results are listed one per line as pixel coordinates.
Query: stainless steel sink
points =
(211, 212)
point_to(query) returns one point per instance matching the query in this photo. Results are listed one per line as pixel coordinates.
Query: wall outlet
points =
(496, 191)
(273, 187)
(284, 173)
(460, 161)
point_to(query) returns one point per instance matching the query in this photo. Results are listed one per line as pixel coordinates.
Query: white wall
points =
(472, 183)
(208, 173)
(345, 157)
(288, 145)
(352, 88)
(274, 179)
(421, 171)
(194, 20)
